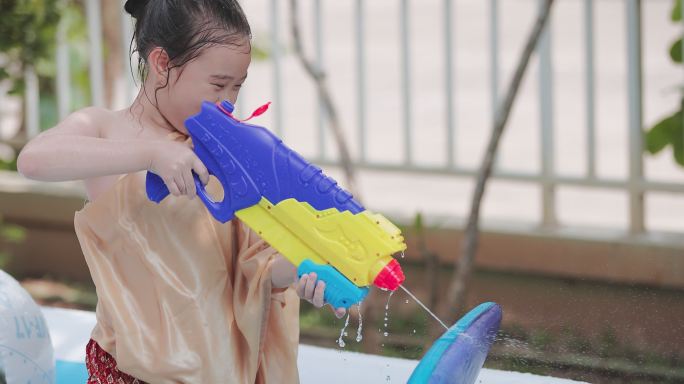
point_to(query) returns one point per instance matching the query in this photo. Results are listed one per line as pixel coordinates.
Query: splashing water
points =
(422, 305)
(359, 337)
(340, 341)
(388, 301)
(387, 313)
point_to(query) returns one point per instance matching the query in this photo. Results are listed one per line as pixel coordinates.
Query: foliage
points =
(29, 28)
(670, 130)
(28, 32)
(10, 165)
(9, 234)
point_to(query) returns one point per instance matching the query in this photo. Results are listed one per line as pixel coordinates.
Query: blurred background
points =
(582, 223)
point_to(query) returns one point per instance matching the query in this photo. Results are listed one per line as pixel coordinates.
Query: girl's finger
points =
(173, 188)
(301, 285)
(201, 171)
(189, 181)
(318, 294)
(310, 285)
(178, 179)
(339, 312)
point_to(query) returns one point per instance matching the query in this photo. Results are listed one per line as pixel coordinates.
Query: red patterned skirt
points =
(102, 367)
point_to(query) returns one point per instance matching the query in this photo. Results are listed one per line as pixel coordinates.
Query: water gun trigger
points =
(340, 292)
(157, 190)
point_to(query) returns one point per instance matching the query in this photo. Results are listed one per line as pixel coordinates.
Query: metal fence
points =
(636, 185)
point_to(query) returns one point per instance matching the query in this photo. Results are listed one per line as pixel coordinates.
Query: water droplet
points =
(385, 334)
(359, 337)
(340, 341)
(407, 301)
(414, 331)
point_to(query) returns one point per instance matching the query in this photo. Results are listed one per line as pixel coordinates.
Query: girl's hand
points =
(312, 291)
(174, 163)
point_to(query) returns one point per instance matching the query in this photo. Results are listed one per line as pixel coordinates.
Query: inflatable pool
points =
(70, 331)
(43, 345)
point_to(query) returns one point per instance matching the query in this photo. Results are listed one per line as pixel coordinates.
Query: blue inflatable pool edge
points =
(70, 372)
(458, 355)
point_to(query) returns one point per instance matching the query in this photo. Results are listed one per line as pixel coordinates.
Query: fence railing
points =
(635, 184)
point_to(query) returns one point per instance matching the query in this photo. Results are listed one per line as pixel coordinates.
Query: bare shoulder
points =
(90, 121)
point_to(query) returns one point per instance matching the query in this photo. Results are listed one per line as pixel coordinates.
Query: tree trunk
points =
(318, 77)
(456, 293)
(112, 12)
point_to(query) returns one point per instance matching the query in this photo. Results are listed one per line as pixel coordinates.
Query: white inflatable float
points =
(25, 347)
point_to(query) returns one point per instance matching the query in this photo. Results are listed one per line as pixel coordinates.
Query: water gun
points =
(292, 205)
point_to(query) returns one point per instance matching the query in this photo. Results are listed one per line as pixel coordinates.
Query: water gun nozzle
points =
(390, 277)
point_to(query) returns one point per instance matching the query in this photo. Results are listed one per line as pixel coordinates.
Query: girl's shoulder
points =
(107, 123)
(89, 121)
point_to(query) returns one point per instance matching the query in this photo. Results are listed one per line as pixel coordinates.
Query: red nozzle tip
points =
(390, 277)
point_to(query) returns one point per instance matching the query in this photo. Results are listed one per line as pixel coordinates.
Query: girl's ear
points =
(159, 63)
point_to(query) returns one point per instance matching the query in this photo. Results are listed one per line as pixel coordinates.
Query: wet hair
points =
(183, 28)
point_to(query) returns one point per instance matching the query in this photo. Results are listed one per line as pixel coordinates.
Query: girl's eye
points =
(238, 86)
(219, 86)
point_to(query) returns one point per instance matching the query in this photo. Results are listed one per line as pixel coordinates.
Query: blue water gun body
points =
(297, 209)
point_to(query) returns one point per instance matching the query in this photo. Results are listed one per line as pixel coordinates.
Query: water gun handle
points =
(339, 291)
(157, 191)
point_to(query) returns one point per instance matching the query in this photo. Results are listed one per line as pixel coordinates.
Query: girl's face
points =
(215, 75)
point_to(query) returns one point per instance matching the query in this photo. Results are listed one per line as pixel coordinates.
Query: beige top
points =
(183, 298)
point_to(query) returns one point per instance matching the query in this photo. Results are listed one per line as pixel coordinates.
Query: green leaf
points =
(4, 260)
(669, 131)
(677, 11)
(658, 137)
(678, 145)
(259, 53)
(676, 51)
(12, 233)
(17, 88)
(418, 222)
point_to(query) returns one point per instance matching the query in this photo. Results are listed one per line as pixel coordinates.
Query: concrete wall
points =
(46, 210)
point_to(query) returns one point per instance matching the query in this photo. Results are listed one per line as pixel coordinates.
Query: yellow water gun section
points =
(357, 245)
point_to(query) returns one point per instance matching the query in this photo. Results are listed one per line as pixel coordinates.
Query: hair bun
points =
(133, 7)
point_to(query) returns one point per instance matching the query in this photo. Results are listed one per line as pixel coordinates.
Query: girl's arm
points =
(283, 273)
(75, 149)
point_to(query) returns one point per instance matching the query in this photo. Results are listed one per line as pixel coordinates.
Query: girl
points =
(182, 298)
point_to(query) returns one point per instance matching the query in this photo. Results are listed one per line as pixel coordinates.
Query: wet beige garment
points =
(183, 298)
